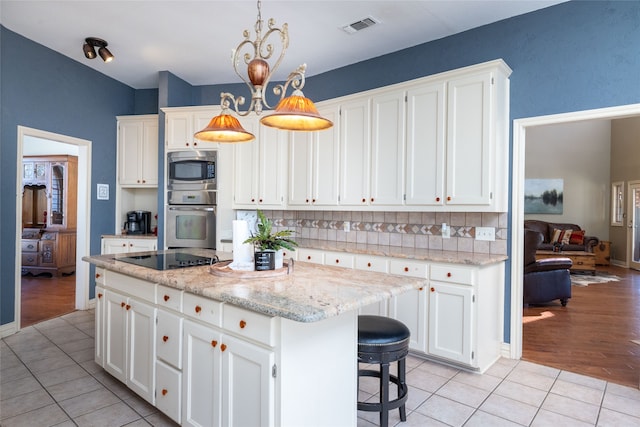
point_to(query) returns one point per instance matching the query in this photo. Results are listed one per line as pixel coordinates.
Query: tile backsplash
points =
(405, 229)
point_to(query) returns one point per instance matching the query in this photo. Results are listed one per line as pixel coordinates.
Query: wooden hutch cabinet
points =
(49, 214)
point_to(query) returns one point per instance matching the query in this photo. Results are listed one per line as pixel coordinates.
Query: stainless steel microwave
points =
(192, 170)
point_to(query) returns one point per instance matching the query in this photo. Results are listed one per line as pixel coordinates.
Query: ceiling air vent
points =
(354, 27)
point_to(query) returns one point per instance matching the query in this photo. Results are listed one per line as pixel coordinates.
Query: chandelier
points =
(295, 112)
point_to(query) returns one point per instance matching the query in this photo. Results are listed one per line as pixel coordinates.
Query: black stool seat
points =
(382, 340)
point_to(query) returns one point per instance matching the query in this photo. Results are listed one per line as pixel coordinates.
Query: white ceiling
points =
(194, 39)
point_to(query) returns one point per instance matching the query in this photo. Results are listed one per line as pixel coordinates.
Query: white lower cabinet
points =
(247, 382)
(99, 325)
(450, 321)
(122, 245)
(410, 308)
(130, 342)
(202, 375)
(169, 390)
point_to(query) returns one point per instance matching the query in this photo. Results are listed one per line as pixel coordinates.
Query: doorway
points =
(520, 127)
(83, 151)
(633, 230)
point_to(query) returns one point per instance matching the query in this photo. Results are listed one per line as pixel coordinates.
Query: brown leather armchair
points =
(547, 279)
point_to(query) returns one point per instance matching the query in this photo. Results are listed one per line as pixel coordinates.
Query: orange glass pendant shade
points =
(224, 128)
(296, 113)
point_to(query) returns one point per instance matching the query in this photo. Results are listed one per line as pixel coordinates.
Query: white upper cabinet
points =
(387, 148)
(183, 123)
(260, 167)
(425, 145)
(469, 145)
(314, 163)
(138, 151)
(355, 140)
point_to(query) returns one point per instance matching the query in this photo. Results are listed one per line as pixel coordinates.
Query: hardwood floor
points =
(45, 297)
(592, 334)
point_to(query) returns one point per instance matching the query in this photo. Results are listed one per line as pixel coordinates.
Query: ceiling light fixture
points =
(90, 43)
(295, 112)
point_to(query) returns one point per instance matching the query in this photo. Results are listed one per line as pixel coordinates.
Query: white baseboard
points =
(8, 329)
(505, 350)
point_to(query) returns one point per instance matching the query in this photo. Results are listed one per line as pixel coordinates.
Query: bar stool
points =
(381, 341)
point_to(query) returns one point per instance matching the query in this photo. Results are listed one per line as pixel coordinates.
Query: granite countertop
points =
(468, 258)
(129, 236)
(311, 293)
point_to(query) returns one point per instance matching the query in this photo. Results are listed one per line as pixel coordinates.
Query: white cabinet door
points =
(355, 140)
(451, 313)
(201, 376)
(169, 338)
(142, 348)
(130, 135)
(425, 145)
(300, 168)
(248, 384)
(469, 143)
(115, 335)
(168, 391)
(149, 153)
(99, 325)
(325, 181)
(245, 168)
(142, 245)
(410, 308)
(182, 125)
(272, 146)
(314, 164)
(387, 148)
(138, 152)
(120, 246)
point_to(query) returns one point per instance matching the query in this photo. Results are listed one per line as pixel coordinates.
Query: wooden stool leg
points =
(384, 394)
(401, 384)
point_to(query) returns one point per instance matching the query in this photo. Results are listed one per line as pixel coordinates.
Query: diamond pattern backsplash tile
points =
(412, 230)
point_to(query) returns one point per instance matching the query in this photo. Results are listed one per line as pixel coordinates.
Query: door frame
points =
(513, 348)
(83, 235)
(631, 224)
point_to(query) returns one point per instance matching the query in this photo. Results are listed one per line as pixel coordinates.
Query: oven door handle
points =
(192, 208)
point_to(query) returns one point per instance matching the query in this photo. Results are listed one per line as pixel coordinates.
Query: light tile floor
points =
(48, 378)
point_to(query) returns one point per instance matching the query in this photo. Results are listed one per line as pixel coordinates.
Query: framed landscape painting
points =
(543, 196)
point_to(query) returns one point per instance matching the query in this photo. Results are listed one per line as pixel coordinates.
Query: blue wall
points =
(44, 90)
(574, 56)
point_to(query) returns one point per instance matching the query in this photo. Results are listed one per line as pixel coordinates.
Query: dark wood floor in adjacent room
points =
(46, 297)
(592, 334)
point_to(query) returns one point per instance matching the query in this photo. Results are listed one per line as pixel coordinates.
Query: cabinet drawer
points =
(99, 275)
(453, 274)
(168, 391)
(169, 297)
(30, 258)
(203, 309)
(309, 255)
(131, 285)
(372, 263)
(339, 259)
(169, 338)
(29, 246)
(287, 255)
(408, 268)
(248, 324)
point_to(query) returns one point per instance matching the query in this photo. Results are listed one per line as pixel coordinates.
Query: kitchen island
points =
(218, 350)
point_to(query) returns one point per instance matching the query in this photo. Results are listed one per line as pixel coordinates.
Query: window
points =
(617, 204)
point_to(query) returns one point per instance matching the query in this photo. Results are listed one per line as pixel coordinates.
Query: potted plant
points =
(269, 244)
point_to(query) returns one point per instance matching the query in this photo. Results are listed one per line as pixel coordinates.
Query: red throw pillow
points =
(577, 237)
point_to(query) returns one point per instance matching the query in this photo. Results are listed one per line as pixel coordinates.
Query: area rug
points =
(588, 279)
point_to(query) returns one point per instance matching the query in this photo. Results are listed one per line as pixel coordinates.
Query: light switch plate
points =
(486, 233)
(102, 192)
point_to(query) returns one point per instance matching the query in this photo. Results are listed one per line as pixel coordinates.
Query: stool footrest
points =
(392, 404)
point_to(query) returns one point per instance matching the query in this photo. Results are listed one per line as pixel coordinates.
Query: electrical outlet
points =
(486, 233)
(446, 231)
(346, 226)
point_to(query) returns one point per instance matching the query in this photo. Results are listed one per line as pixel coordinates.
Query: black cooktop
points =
(167, 261)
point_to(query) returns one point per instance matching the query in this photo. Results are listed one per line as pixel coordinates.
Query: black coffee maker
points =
(138, 222)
